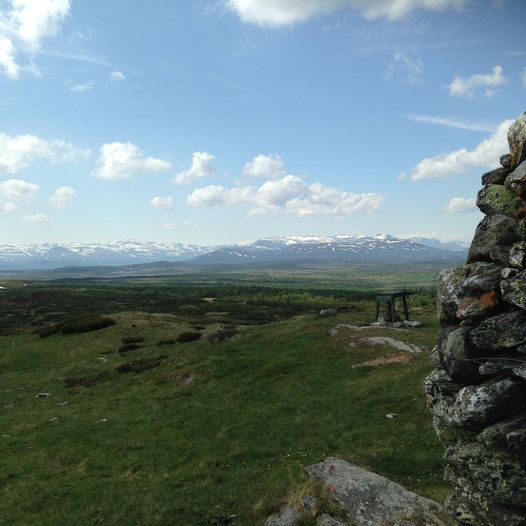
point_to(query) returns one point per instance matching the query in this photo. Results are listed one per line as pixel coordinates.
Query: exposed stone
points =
(513, 290)
(505, 160)
(483, 277)
(370, 499)
(456, 355)
(517, 257)
(328, 312)
(478, 393)
(450, 293)
(411, 323)
(509, 272)
(496, 199)
(475, 407)
(395, 344)
(516, 181)
(516, 141)
(501, 332)
(287, 516)
(478, 306)
(487, 493)
(327, 520)
(495, 176)
(493, 239)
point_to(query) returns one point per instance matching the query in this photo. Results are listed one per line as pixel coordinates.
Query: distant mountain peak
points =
(342, 247)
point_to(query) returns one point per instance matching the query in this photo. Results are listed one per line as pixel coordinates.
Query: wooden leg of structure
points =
(377, 311)
(406, 310)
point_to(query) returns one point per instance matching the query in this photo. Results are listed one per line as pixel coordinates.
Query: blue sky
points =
(218, 121)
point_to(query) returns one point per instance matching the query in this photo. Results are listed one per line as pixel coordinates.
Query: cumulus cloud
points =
(122, 160)
(18, 152)
(459, 205)
(460, 162)
(162, 203)
(201, 168)
(486, 83)
(63, 197)
(289, 194)
(8, 208)
(276, 13)
(117, 76)
(267, 166)
(18, 190)
(23, 26)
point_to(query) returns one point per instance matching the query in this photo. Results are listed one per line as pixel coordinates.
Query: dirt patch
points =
(388, 359)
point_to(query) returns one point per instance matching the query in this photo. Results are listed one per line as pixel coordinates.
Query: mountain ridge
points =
(343, 247)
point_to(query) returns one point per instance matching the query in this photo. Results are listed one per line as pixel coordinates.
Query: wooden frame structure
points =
(390, 299)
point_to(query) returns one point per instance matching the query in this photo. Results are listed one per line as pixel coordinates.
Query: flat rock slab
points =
(395, 344)
(372, 500)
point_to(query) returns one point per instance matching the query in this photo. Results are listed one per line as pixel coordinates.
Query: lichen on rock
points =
(477, 395)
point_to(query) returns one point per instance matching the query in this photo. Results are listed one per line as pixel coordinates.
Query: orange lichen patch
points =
(386, 360)
(478, 305)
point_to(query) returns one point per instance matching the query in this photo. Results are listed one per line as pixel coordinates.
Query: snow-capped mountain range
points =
(379, 247)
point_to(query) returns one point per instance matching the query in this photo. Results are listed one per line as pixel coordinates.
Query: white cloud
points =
(276, 13)
(201, 168)
(176, 226)
(8, 208)
(63, 197)
(35, 218)
(163, 203)
(287, 195)
(18, 152)
(267, 166)
(460, 205)
(405, 68)
(18, 190)
(488, 83)
(79, 87)
(121, 160)
(23, 26)
(452, 122)
(461, 161)
(117, 76)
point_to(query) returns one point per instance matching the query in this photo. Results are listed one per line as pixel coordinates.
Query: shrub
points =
(132, 339)
(46, 332)
(221, 334)
(167, 341)
(143, 364)
(87, 324)
(127, 347)
(185, 337)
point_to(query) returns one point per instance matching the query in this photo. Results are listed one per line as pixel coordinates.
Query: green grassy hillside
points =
(194, 433)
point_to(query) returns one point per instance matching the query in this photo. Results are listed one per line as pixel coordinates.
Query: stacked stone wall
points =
(477, 394)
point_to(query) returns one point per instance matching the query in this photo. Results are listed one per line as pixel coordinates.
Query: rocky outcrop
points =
(478, 394)
(360, 498)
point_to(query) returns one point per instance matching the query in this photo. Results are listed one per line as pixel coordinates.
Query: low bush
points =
(185, 337)
(143, 364)
(167, 341)
(221, 334)
(132, 339)
(87, 324)
(127, 347)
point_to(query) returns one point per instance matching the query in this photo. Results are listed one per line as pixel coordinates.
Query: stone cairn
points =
(477, 394)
